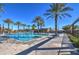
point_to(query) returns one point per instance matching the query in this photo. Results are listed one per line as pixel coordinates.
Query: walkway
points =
(53, 46)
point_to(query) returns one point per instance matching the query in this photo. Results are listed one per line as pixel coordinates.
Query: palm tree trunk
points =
(18, 32)
(18, 28)
(72, 30)
(38, 28)
(0, 28)
(8, 28)
(24, 28)
(3, 28)
(56, 17)
(12, 27)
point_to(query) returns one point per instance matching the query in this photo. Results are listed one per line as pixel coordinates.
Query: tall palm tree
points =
(33, 27)
(0, 28)
(8, 21)
(28, 27)
(24, 25)
(18, 25)
(39, 21)
(3, 29)
(1, 10)
(41, 24)
(58, 10)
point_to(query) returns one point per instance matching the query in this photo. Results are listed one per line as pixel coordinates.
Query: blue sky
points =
(25, 13)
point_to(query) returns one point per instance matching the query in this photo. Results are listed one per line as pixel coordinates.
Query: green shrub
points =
(74, 40)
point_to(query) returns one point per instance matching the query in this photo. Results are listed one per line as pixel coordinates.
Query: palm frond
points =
(61, 5)
(49, 10)
(49, 17)
(66, 9)
(60, 17)
(33, 21)
(63, 15)
(1, 8)
(58, 8)
(46, 14)
(18, 23)
(66, 14)
(51, 5)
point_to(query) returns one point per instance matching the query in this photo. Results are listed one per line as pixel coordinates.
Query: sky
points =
(26, 12)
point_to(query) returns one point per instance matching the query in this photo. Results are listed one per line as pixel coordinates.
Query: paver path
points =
(68, 48)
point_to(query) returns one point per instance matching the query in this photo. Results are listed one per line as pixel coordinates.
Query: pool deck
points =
(11, 47)
(53, 46)
(59, 45)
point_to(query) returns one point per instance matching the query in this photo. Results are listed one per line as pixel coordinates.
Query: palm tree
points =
(28, 27)
(58, 10)
(8, 21)
(41, 24)
(67, 28)
(1, 10)
(24, 25)
(18, 25)
(33, 27)
(39, 21)
(3, 29)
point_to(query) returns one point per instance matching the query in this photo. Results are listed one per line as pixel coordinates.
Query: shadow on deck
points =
(25, 52)
(36, 47)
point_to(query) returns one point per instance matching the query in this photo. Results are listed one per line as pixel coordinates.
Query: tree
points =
(50, 29)
(1, 10)
(77, 20)
(28, 26)
(57, 10)
(8, 21)
(67, 27)
(24, 25)
(18, 24)
(39, 21)
(33, 27)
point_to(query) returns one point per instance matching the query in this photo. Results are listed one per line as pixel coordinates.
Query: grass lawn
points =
(74, 40)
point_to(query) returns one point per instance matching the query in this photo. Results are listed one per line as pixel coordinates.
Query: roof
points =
(77, 20)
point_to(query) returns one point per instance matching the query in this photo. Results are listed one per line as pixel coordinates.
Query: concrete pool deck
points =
(59, 45)
(53, 46)
(49, 48)
(11, 47)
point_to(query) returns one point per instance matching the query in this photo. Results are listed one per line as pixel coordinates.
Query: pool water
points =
(26, 36)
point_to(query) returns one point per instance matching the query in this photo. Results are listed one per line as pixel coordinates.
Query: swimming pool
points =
(26, 36)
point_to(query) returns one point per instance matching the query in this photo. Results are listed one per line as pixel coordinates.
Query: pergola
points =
(72, 25)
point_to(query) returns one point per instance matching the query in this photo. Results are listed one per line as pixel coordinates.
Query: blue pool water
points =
(26, 36)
